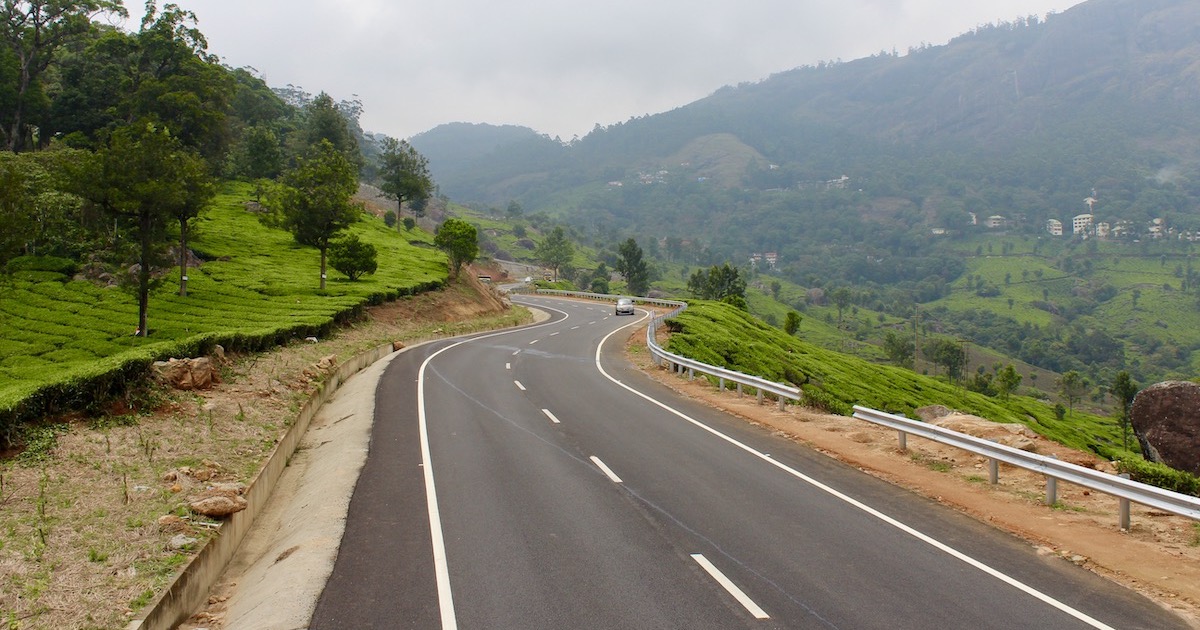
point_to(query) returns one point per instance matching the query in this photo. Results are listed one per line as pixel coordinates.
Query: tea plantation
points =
(67, 342)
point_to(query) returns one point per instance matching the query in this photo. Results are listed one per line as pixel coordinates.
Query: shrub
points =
(1160, 475)
(821, 400)
(389, 218)
(53, 264)
(352, 257)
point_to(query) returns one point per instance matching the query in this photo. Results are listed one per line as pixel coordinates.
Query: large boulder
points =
(1166, 420)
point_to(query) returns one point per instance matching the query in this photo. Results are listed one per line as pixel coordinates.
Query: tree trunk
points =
(183, 278)
(323, 248)
(147, 244)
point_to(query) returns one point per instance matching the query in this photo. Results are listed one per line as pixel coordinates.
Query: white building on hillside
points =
(1054, 227)
(1082, 224)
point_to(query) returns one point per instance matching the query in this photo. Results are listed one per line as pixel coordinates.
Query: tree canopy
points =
(459, 240)
(316, 198)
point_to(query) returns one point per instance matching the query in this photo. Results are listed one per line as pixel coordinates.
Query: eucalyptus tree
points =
(316, 198)
(33, 31)
(404, 175)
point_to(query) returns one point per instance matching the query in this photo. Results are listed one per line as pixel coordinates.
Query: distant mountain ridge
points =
(1128, 68)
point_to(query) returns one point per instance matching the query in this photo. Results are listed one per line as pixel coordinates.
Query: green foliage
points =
(718, 283)
(1160, 475)
(460, 242)
(352, 257)
(69, 346)
(409, 223)
(53, 264)
(555, 250)
(389, 218)
(791, 324)
(316, 197)
(900, 348)
(404, 174)
(721, 335)
(632, 265)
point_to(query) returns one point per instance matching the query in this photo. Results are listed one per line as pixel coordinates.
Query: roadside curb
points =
(191, 588)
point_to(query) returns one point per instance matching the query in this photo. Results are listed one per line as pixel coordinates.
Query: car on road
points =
(624, 306)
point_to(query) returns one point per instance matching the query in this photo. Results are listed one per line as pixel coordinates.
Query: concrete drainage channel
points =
(191, 588)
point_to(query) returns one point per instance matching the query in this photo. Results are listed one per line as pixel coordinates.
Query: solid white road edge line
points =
(441, 568)
(606, 470)
(551, 416)
(1011, 581)
(728, 584)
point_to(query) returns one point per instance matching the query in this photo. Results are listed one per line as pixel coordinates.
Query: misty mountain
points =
(1039, 110)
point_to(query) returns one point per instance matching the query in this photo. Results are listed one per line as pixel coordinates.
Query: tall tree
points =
(323, 120)
(404, 175)
(948, 354)
(459, 240)
(555, 250)
(34, 30)
(632, 265)
(316, 198)
(1124, 389)
(1008, 380)
(145, 177)
(899, 348)
(1072, 386)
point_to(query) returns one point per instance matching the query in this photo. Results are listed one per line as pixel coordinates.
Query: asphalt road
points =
(523, 479)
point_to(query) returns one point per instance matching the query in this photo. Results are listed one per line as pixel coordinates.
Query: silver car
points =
(624, 306)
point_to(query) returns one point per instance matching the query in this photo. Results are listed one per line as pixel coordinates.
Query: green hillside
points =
(721, 335)
(72, 339)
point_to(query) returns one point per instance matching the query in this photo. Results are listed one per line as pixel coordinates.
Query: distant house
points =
(1054, 227)
(938, 231)
(1157, 228)
(1081, 225)
(1103, 230)
(995, 221)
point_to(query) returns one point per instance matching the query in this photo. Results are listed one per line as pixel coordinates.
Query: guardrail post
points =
(994, 471)
(691, 374)
(721, 383)
(903, 440)
(740, 392)
(782, 402)
(1051, 490)
(760, 396)
(1124, 510)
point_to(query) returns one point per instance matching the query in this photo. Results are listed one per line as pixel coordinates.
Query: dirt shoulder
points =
(1159, 556)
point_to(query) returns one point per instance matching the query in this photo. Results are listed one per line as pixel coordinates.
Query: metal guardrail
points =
(1125, 489)
(1121, 487)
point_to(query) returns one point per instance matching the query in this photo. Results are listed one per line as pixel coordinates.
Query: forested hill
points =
(1097, 93)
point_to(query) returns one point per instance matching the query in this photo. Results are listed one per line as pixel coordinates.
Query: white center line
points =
(508, 366)
(554, 334)
(606, 470)
(519, 385)
(551, 416)
(534, 341)
(574, 328)
(725, 582)
(516, 353)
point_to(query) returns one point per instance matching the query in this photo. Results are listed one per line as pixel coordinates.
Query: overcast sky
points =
(560, 66)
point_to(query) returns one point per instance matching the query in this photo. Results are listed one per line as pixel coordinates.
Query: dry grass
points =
(81, 545)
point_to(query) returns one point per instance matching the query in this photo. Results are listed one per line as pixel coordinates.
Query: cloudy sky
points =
(560, 66)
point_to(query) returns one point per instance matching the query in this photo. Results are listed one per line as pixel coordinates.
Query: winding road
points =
(533, 478)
